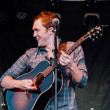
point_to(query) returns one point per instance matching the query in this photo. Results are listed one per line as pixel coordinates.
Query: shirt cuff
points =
(82, 83)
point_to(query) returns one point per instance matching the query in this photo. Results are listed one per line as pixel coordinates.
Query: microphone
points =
(55, 22)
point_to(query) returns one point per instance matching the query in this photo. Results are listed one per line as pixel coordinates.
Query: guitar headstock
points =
(95, 33)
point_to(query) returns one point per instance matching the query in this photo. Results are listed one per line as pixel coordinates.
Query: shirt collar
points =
(42, 50)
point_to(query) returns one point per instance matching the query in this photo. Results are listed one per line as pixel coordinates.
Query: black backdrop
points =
(16, 19)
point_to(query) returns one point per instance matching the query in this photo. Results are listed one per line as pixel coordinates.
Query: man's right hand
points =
(9, 83)
(27, 84)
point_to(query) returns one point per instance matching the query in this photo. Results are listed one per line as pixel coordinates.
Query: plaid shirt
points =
(66, 97)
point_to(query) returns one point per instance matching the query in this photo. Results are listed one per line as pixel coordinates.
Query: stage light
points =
(91, 20)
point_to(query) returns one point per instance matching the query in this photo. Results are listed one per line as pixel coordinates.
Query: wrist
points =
(17, 83)
(73, 66)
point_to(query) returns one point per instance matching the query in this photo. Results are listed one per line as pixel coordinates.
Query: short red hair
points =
(46, 18)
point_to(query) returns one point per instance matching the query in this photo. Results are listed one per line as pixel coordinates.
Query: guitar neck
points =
(74, 46)
(47, 71)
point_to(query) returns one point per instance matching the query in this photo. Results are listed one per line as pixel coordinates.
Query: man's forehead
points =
(37, 24)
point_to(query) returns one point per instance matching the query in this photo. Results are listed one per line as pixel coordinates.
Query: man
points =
(74, 70)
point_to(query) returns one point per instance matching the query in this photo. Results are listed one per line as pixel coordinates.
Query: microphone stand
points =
(55, 61)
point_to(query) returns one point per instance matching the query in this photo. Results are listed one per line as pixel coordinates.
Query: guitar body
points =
(33, 100)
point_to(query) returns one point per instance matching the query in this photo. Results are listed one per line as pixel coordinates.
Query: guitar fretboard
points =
(47, 71)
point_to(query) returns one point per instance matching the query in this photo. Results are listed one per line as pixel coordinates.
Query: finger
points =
(65, 60)
(65, 56)
(62, 62)
(29, 82)
(30, 87)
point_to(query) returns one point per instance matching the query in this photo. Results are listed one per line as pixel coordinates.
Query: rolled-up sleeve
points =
(80, 61)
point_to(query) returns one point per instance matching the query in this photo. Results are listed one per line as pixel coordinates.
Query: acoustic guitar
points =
(43, 76)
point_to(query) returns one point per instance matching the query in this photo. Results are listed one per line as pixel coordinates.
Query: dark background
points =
(16, 36)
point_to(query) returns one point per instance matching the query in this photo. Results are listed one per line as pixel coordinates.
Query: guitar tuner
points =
(89, 36)
(93, 39)
(94, 34)
(96, 37)
(97, 32)
(92, 30)
(101, 35)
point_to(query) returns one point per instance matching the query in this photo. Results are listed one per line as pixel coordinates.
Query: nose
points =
(35, 34)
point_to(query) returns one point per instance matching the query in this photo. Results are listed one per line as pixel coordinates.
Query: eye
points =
(36, 30)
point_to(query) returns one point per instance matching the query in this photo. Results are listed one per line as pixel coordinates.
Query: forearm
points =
(9, 83)
(79, 76)
(76, 73)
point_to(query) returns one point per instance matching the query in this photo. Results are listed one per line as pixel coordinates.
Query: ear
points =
(50, 30)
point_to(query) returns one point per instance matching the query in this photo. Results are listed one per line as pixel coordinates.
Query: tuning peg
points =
(92, 30)
(101, 35)
(97, 27)
(94, 34)
(93, 39)
(97, 32)
(101, 29)
(96, 37)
